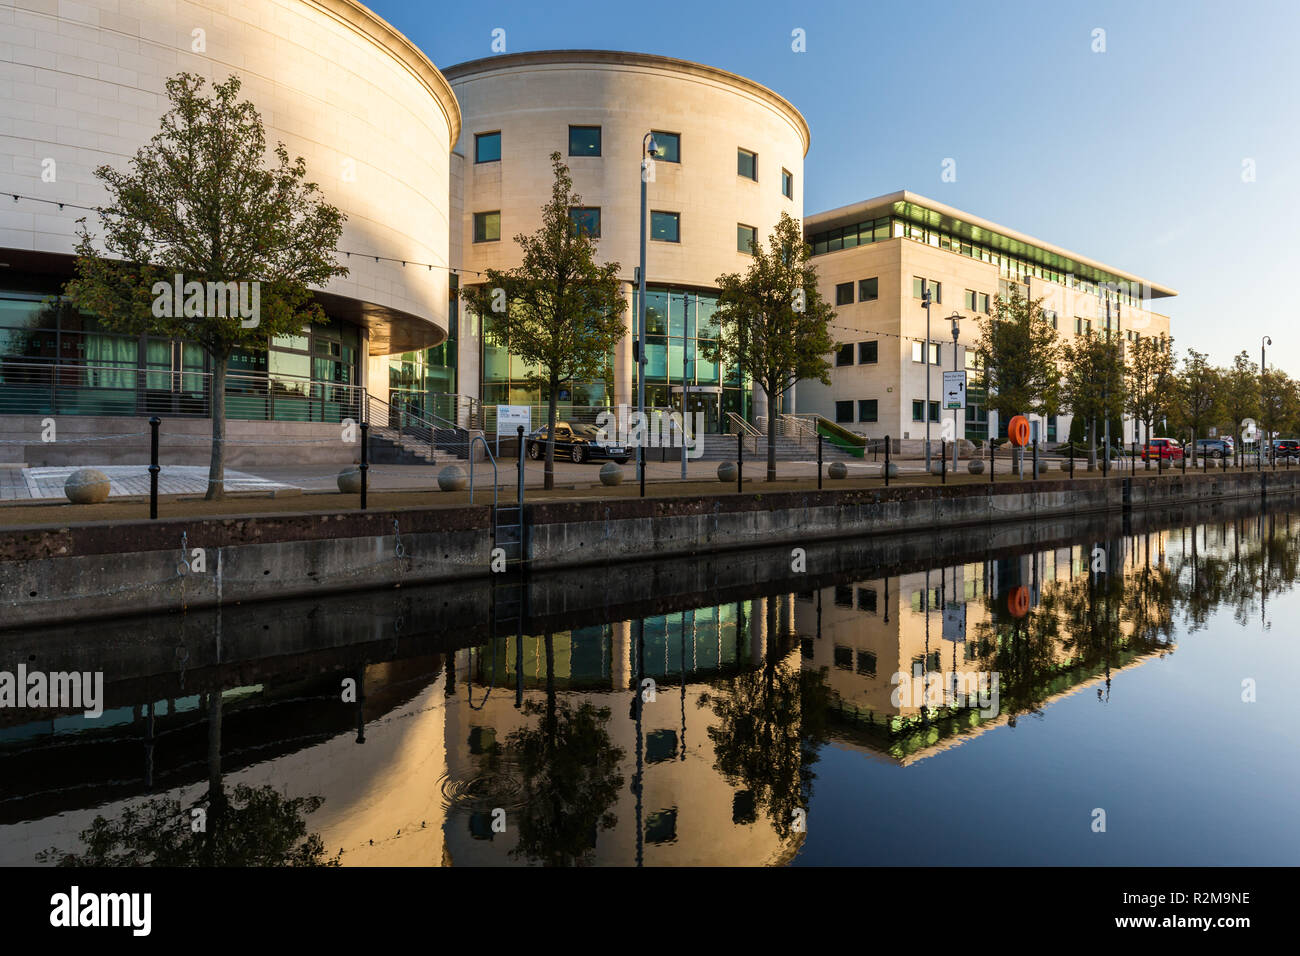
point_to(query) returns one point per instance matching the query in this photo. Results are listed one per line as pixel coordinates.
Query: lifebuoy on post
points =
(1018, 431)
(1018, 601)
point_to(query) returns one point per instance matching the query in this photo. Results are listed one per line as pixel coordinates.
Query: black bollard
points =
(740, 460)
(886, 461)
(153, 467)
(365, 460)
(1035, 459)
(819, 461)
(943, 462)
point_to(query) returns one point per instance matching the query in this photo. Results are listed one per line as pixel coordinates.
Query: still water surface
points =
(986, 708)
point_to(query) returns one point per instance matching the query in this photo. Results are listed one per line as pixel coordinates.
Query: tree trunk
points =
(549, 472)
(217, 466)
(771, 436)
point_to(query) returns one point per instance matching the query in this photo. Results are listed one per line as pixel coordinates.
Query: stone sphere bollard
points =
(838, 470)
(727, 471)
(975, 466)
(611, 474)
(893, 470)
(1042, 466)
(86, 486)
(936, 467)
(452, 478)
(349, 480)
(1065, 465)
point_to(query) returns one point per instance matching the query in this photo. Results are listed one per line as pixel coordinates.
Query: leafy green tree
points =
(773, 323)
(200, 201)
(1092, 383)
(559, 311)
(1019, 353)
(1240, 394)
(1150, 376)
(1279, 404)
(1196, 394)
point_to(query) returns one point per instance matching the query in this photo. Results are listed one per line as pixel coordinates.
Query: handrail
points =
(495, 482)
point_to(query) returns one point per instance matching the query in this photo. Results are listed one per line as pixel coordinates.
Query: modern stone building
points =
(875, 258)
(437, 171)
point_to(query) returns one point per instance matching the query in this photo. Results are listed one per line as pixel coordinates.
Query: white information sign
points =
(954, 389)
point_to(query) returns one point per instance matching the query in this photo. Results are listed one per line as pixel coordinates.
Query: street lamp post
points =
(955, 318)
(1263, 399)
(925, 300)
(649, 149)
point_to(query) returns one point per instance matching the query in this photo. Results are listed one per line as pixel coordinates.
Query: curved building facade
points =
(730, 163)
(370, 114)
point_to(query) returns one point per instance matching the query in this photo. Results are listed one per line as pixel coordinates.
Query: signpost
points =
(509, 419)
(954, 389)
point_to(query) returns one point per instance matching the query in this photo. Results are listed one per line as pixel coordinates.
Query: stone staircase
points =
(387, 447)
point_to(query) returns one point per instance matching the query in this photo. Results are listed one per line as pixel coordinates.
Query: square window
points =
(868, 290)
(787, 184)
(843, 596)
(745, 235)
(867, 601)
(843, 412)
(867, 409)
(843, 657)
(487, 147)
(587, 220)
(868, 353)
(867, 663)
(844, 355)
(747, 164)
(844, 293)
(670, 147)
(584, 140)
(487, 226)
(666, 226)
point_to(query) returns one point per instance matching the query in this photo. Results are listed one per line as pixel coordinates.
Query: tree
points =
(1092, 383)
(1278, 402)
(773, 323)
(246, 237)
(559, 311)
(1196, 394)
(1150, 373)
(1240, 394)
(1019, 353)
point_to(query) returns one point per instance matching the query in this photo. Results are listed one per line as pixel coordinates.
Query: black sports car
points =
(578, 443)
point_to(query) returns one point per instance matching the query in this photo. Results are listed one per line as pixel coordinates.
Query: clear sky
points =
(1136, 156)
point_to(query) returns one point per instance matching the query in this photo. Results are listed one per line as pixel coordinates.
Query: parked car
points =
(578, 443)
(1166, 448)
(1213, 448)
(1286, 448)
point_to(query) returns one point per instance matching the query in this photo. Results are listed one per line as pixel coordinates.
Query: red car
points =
(1166, 448)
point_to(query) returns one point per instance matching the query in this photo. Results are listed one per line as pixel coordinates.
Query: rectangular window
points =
(747, 164)
(587, 220)
(970, 300)
(919, 286)
(867, 660)
(487, 147)
(982, 302)
(918, 410)
(787, 184)
(844, 355)
(670, 147)
(666, 226)
(487, 226)
(868, 353)
(584, 140)
(868, 290)
(844, 412)
(745, 235)
(919, 356)
(844, 293)
(867, 409)
(867, 601)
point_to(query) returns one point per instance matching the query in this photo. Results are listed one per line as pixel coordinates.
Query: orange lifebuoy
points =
(1018, 601)
(1018, 431)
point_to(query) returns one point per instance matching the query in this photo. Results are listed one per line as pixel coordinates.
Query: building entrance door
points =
(705, 400)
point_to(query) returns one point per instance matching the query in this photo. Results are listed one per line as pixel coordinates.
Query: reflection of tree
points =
(253, 826)
(771, 724)
(570, 774)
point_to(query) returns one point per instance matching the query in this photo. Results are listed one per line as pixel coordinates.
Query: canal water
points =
(1089, 692)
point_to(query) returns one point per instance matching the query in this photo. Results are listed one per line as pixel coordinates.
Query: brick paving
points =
(124, 480)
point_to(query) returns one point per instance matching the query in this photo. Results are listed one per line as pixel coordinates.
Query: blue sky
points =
(1133, 156)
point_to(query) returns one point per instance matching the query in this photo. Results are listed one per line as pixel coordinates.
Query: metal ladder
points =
(507, 520)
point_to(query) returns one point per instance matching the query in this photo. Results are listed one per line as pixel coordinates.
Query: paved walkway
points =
(124, 480)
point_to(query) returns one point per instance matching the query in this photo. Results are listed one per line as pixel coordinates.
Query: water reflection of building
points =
(687, 812)
(1056, 617)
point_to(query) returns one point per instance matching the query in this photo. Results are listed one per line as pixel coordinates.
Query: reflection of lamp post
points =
(649, 149)
(925, 301)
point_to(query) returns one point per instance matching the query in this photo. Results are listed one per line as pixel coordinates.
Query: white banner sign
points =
(954, 389)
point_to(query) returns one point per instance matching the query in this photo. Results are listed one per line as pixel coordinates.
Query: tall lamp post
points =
(955, 318)
(925, 301)
(649, 149)
(1263, 399)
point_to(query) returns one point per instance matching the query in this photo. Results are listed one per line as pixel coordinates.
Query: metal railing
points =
(737, 425)
(416, 431)
(53, 388)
